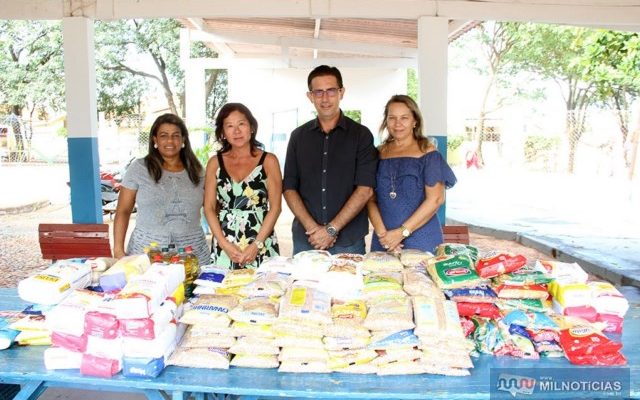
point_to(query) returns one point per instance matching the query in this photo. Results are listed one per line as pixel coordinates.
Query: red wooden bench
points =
(61, 241)
(456, 234)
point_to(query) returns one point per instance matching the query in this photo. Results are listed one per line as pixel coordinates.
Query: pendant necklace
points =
(393, 193)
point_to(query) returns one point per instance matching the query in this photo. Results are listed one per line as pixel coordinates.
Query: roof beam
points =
(320, 44)
(221, 48)
(260, 61)
(613, 13)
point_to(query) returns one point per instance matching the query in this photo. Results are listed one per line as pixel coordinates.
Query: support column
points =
(194, 84)
(80, 85)
(433, 42)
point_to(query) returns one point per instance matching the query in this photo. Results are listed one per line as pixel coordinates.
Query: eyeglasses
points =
(331, 92)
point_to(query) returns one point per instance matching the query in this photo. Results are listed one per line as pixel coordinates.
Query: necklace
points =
(393, 193)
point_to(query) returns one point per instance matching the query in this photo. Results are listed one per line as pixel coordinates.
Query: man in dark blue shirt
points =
(329, 172)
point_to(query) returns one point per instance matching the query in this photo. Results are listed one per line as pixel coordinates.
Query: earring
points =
(183, 145)
(155, 145)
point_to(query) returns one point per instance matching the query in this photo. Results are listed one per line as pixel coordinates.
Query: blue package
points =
(142, 367)
(113, 282)
(402, 338)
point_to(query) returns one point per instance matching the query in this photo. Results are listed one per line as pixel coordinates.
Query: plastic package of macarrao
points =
(584, 345)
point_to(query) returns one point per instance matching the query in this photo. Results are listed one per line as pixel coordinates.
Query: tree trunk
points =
(574, 129)
(18, 155)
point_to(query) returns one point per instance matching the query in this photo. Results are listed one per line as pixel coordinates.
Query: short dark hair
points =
(253, 124)
(324, 70)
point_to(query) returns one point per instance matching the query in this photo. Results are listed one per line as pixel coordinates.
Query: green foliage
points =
(31, 64)
(537, 147)
(412, 84)
(454, 142)
(202, 153)
(62, 132)
(355, 115)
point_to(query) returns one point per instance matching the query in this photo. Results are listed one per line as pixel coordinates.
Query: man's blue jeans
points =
(302, 244)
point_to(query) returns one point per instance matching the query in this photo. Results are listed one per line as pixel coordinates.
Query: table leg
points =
(30, 391)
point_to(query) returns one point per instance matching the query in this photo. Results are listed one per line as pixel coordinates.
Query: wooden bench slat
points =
(456, 234)
(61, 241)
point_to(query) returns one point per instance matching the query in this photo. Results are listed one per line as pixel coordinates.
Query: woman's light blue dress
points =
(407, 178)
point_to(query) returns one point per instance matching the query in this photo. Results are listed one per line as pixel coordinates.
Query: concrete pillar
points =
(433, 44)
(80, 85)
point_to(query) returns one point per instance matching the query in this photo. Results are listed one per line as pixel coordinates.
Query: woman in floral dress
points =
(243, 190)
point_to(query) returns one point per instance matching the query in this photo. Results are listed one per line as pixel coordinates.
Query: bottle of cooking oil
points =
(154, 250)
(191, 268)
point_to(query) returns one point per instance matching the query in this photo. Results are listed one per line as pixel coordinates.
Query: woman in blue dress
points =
(410, 183)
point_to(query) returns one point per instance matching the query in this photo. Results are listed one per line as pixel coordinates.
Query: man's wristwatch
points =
(405, 231)
(259, 244)
(331, 230)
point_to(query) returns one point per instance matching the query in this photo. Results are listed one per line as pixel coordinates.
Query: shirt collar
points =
(342, 123)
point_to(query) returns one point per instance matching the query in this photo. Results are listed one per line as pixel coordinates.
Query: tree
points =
(31, 63)
(612, 62)
(557, 53)
(131, 46)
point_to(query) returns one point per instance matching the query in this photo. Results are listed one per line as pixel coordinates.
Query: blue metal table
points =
(25, 366)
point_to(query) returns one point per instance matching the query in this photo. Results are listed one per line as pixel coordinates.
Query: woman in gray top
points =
(168, 187)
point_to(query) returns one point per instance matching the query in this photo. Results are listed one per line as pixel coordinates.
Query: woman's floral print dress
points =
(243, 206)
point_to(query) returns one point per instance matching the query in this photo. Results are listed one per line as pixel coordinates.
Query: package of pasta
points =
(210, 309)
(530, 320)
(562, 272)
(521, 291)
(507, 305)
(302, 302)
(451, 272)
(584, 345)
(480, 294)
(255, 310)
(414, 258)
(483, 310)
(452, 249)
(527, 275)
(380, 261)
(494, 264)
(488, 338)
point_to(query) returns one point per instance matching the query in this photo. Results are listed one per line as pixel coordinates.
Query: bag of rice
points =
(204, 339)
(380, 261)
(255, 361)
(210, 309)
(254, 345)
(270, 284)
(303, 354)
(401, 368)
(414, 258)
(307, 304)
(417, 283)
(254, 330)
(238, 277)
(336, 343)
(200, 358)
(255, 310)
(305, 367)
(393, 314)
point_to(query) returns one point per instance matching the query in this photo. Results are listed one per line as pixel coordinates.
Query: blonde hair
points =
(424, 142)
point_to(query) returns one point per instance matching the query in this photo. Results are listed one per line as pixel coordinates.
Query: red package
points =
(467, 326)
(138, 327)
(69, 342)
(484, 310)
(614, 322)
(499, 264)
(585, 312)
(599, 359)
(521, 291)
(543, 335)
(101, 325)
(581, 342)
(98, 366)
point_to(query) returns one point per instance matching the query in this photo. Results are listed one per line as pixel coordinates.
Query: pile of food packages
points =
(381, 313)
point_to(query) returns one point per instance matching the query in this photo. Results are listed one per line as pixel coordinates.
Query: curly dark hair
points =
(253, 124)
(154, 159)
